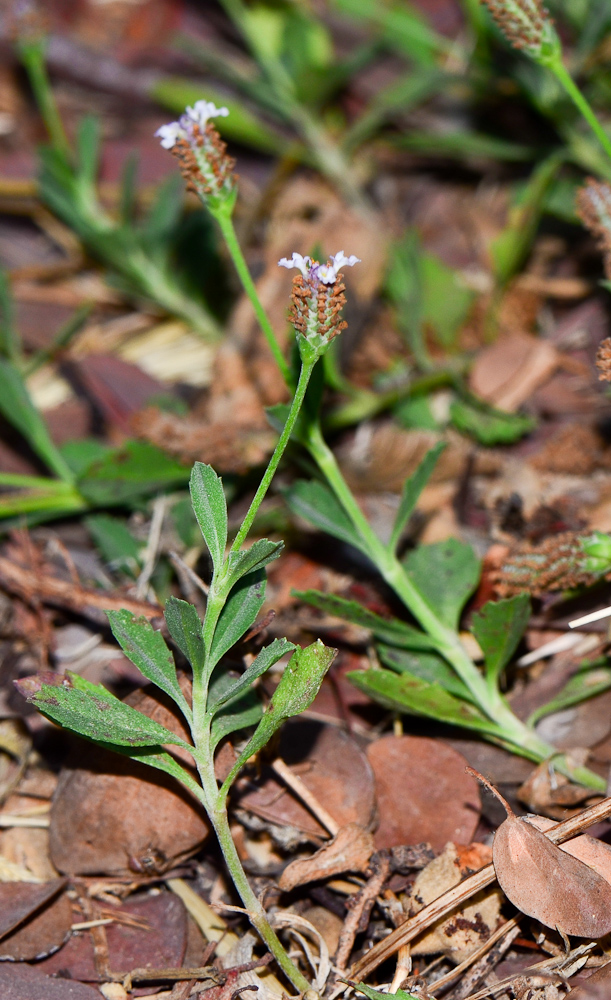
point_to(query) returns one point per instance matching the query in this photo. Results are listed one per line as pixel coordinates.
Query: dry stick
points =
(532, 971)
(558, 834)
(482, 961)
(360, 908)
(304, 793)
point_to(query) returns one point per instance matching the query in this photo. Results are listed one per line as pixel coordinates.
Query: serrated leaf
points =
(210, 508)
(92, 711)
(238, 614)
(237, 686)
(587, 682)
(185, 627)
(247, 712)
(498, 628)
(427, 666)
(147, 648)
(257, 556)
(414, 696)
(445, 574)
(390, 630)
(412, 489)
(296, 691)
(317, 504)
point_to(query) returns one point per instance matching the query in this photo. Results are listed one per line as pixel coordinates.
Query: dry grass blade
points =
(459, 894)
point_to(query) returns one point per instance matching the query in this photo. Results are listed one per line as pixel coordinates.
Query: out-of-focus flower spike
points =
(201, 153)
(527, 25)
(593, 204)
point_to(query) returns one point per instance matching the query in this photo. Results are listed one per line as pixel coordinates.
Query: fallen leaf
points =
(114, 816)
(595, 987)
(547, 883)
(20, 900)
(349, 851)
(41, 934)
(332, 766)
(460, 934)
(593, 852)
(21, 982)
(508, 372)
(423, 792)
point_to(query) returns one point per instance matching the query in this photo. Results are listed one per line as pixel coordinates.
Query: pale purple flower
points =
(169, 134)
(203, 110)
(303, 264)
(327, 273)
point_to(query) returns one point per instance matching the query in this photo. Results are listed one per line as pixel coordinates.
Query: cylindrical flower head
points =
(594, 209)
(201, 153)
(527, 25)
(317, 299)
(561, 562)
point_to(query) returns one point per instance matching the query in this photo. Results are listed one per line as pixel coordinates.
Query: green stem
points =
(304, 377)
(33, 58)
(256, 913)
(564, 77)
(224, 218)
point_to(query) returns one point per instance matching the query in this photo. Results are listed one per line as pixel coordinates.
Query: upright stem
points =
(224, 218)
(304, 377)
(256, 913)
(564, 77)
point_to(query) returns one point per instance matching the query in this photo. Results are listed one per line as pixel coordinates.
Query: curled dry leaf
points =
(349, 851)
(548, 883)
(460, 934)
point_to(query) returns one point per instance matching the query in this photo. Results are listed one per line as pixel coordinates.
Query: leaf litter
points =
(117, 832)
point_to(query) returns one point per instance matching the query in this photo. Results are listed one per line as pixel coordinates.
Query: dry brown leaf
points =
(508, 372)
(590, 850)
(595, 987)
(349, 851)
(547, 883)
(423, 792)
(459, 935)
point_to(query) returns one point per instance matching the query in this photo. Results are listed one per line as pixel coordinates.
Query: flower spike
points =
(202, 154)
(527, 25)
(317, 298)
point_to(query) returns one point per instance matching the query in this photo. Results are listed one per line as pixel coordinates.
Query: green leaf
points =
(9, 337)
(587, 682)
(155, 756)
(147, 648)
(296, 691)
(390, 630)
(317, 504)
(88, 148)
(498, 628)
(412, 489)
(257, 556)
(83, 452)
(445, 299)
(92, 711)
(445, 574)
(18, 408)
(247, 712)
(185, 627)
(377, 994)
(115, 542)
(234, 688)
(490, 426)
(210, 508)
(427, 666)
(165, 210)
(238, 614)
(415, 696)
(124, 474)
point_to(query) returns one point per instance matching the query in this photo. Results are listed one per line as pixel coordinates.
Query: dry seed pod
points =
(546, 882)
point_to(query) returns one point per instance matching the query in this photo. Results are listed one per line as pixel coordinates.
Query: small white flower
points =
(169, 134)
(303, 264)
(203, 110)
(340, 260)
(327, 273)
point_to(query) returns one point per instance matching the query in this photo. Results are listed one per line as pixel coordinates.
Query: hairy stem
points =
(224, 218)
(304, 377)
